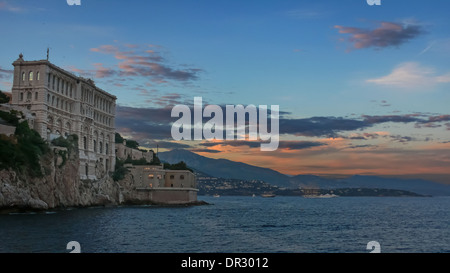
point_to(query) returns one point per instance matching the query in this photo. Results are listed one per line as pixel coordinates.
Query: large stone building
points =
(153, 182)
(61, 104)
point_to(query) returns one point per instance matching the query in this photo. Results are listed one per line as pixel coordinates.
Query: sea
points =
(238, 224)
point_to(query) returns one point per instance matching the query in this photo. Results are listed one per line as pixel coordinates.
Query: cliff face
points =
(59, 187)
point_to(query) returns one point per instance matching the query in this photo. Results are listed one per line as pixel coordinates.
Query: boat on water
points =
(268, 195)
(321, 196)
(216, 195)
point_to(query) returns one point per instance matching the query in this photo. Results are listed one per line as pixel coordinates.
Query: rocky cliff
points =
(60, 186)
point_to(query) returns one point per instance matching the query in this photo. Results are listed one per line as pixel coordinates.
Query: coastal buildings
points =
(62, 104)
(57, 103)
(153, 182)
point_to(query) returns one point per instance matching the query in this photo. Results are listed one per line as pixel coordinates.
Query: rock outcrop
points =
(59, 187)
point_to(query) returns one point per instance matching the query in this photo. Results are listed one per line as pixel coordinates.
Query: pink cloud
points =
(385, 35)
(143, 62)
(103, 72)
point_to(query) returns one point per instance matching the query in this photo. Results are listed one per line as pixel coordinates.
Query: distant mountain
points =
(225, 168)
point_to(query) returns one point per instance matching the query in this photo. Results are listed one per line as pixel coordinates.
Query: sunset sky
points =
(361, 89)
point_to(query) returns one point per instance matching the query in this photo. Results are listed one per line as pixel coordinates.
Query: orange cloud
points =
(335, 158)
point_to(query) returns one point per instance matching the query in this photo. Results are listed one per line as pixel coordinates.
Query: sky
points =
(361, 89)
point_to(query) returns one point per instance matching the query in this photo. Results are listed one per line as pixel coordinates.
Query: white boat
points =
(321, 196)
(268, 195)
(216, 195)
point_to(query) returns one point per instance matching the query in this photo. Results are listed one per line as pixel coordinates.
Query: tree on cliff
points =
(23, 151)
(132, 144)
(177, 166)
(119, 138)
(128, 142)
(3, 97)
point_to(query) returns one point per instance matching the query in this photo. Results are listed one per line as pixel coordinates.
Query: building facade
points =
(158, 185)
(62, 104)
(123, 152)
(155, 176)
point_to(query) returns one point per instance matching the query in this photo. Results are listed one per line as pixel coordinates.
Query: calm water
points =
(240, 224)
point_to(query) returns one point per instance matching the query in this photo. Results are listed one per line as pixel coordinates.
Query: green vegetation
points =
(128, 142)
(120, 171)
(132, 144)
(141, 161)
(71, 143)
(3, 98)
(12, 117)
(22, 151)
(119, 138)
(177, 166)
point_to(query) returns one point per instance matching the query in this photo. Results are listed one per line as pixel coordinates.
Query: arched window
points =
(23, 76)
(87, 169)
(181, 177)
(36, 96)
(21, 96)
(95, 145)
(172, 177)
(38, 76)
(30, 76)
